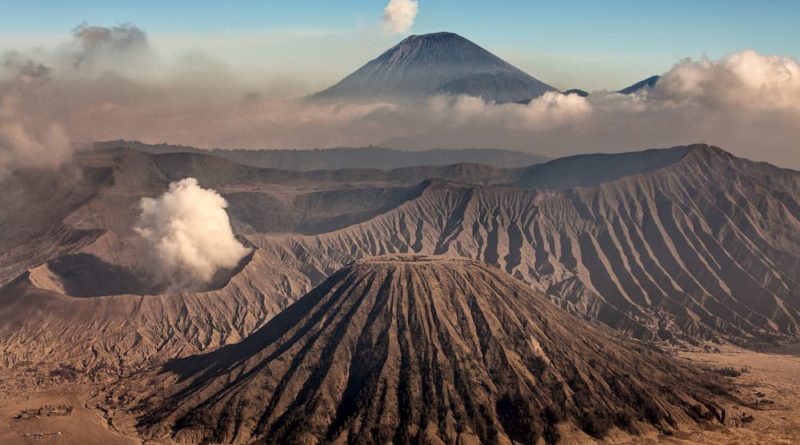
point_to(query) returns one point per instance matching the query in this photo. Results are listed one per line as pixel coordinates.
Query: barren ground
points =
(85, 426)
(774, 376)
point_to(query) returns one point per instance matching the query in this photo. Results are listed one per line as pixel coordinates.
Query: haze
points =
(241, 83)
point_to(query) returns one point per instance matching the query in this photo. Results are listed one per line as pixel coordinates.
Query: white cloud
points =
(399, 15)
(745, 79)
(548, 111)
(189, 235)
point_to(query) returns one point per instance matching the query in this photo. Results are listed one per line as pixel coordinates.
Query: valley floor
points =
(771, 384)
(771, 378)
(83, 426)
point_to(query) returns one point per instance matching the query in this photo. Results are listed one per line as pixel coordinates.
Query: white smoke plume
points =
(189, 235)
(27, 142)
(399, 15)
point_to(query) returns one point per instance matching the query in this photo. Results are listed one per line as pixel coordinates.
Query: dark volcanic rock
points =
(415, 349)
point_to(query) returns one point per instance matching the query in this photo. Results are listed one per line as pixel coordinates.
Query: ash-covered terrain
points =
(424, 349)
(686, 247)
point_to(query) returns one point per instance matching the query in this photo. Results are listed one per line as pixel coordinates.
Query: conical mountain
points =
(413, 349)
(645, 84)
(435, 63)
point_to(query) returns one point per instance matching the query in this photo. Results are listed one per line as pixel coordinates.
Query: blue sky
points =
(589, 44)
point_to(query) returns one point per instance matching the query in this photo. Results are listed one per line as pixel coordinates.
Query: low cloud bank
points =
(188, 235)
(747, 102)
(109, 83)
(746, 79)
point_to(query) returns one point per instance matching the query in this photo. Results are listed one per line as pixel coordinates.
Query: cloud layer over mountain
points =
(109, 83)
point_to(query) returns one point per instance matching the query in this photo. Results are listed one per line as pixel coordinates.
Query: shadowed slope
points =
(696, 244)
(593, 169)
(423, 350)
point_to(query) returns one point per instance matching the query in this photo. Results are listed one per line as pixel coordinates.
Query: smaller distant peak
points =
(576, 91)
(648, 83)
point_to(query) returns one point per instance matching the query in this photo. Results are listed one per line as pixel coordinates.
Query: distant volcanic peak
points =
(444, 48)
(578, 91)
(435, 36)
(407, 348)
(648, 83)
(418, 41)
(435, 63)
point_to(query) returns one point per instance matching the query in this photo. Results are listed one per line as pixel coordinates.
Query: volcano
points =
(424, 349)
(687, 245)
(646, 84)
(439, 63)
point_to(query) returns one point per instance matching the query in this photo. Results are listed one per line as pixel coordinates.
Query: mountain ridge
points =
(374, 157)
(444, 62)
(703, 249)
